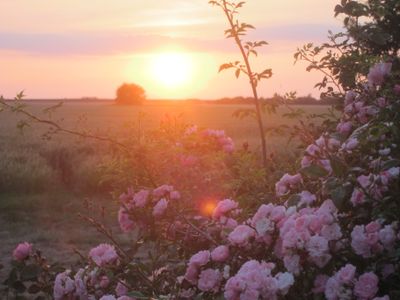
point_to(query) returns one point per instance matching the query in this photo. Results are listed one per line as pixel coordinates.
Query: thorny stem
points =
(312, 61)
(100, 228)
(203, 233)
(252, 81)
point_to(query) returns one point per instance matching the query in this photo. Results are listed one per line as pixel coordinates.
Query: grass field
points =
(37, 207)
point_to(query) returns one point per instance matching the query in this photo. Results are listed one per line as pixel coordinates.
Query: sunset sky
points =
(75, 48)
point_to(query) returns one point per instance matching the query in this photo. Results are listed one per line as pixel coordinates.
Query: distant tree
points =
(130, 94)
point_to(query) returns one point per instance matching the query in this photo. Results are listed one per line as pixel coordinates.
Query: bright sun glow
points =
(172, 69)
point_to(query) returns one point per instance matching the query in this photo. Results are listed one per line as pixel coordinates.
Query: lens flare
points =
(207, 206)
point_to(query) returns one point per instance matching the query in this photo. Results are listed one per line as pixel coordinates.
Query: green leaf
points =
(137, 295)
(224, 67)
(30, 272)
(338, 196)
(390, 164)
(314, 171)
(338, 167)
(19, 286)
(293, 200)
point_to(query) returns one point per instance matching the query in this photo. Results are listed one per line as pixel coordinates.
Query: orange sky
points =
(75, 48)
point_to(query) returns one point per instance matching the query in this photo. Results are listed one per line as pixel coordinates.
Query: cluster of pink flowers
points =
(307, 234)
(254, 280)
(188, 160)
(345, 285)
(91, 282)
(373, 185)
(242, 236)
(378, 72)
(283, 186)
(311, 231)
(225, 212)
(317, 153)
(64, 286)
(223, 140)
(157, 199)
(368, 240)
(360, 110)
(219, 136)
(206, 279)
(266, 220)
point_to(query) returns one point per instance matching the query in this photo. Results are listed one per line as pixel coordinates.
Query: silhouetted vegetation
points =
(130, 94)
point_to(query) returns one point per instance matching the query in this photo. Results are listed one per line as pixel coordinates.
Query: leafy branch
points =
(235, 31)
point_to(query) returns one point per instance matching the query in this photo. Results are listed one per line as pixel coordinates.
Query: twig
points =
(205, 234)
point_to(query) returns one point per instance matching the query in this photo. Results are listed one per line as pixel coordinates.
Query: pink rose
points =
(278, 213)
(387, 237)
(121, 289)
(201, 258)
(140, 198)
(372, 227)
(175, 195)
(331, 232)
(381, 102)
(241, 235)
(344, 127)
(160, 207)
(364, 181)
(317, 246)
(320, 283)
(220, 254)
(350, 144)
(396, 89)
(104, 282)
(161, 191)
(22, 251)
(357, 197)
(313, 150)
(124, 220)
(189, 160)
(347, 273)
(292, 263)
(378, 72)
(367, 286)
(209, 280)
(306, 161)
(332, 289)
(103, 254)
(108, 297)
(64, 286)
(350, 97)
(388, 270)
(224, 207)
(307, 198)
(386, 297)
(192, 273)
(284, 281)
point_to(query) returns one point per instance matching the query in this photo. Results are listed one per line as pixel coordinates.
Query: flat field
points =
(37, 207)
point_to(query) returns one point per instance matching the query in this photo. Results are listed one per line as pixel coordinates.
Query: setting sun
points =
(172, 69)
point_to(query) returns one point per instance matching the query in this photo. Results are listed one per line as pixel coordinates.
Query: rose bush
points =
(331, 231)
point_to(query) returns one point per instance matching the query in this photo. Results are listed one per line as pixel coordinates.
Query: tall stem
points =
(252, 82)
